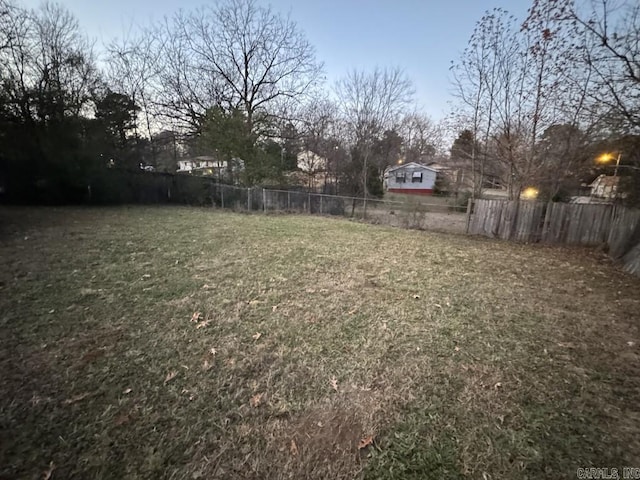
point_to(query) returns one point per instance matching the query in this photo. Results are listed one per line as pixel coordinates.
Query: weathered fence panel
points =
(527, 221)
(631, 260)
(624, 231)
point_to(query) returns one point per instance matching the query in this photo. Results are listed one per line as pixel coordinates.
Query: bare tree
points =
(6, 33)
(47, 65)
(133, 64)
(254, 56)
(234, 55)
(422, 137)
(607, 35)
(516, 82)
(370, 103)
(184, 93)
(317, 123)
(479, 78)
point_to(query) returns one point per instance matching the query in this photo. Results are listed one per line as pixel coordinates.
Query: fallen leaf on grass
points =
(202, 324)
(457, 349)
(497, 385)
(49, 471)
(128, 390)
(170, 376)
(146, 275)
(334, 383)
(294, 448)
(416, 297)
(213, 351)
(196, 316)
(121, 420)
(76, 399)
(351, 312)
(365, 442)
(274, 308)
(254, 302)
(256, 400)
(256, 336)
(206, 365)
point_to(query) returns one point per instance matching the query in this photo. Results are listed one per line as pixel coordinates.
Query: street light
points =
(530, 193)
(607, 157)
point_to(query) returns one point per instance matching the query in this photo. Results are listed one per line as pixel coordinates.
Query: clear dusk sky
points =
(420, 36)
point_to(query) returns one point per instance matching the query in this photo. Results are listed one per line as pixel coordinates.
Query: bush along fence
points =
(614, 226)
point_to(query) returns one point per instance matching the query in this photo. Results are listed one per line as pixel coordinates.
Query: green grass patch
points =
(193, 343)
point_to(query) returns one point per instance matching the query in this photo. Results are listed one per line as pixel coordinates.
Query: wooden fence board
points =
(624, 224)
(527, 221)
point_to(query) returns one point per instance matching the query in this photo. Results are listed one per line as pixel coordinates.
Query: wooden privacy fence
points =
(529, 221)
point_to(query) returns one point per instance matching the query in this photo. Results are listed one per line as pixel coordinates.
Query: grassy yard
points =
(189, 343)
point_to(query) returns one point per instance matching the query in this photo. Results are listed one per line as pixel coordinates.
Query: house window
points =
(416, 177)
(400, 177)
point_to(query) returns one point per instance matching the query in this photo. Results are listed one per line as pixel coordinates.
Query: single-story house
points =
(206, 164)
(210, 166)
(411, 178)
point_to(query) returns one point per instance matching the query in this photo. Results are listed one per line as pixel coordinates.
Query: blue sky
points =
(420, 36)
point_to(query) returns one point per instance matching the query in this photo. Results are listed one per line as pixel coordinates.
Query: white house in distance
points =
(208, 165)
(411, 178)
(205, 164)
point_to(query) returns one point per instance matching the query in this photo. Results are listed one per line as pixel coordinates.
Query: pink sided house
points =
(410, 178)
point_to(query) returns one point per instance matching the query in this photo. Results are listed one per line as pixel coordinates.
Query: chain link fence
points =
(441, 213)
(434, 212)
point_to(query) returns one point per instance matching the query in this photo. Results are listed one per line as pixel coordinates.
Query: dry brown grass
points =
(458, 357)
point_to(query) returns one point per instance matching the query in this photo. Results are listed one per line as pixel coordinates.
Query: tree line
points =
(234, 79)
(542, 98)
(537, 99)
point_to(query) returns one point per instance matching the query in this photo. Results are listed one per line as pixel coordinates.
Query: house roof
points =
(605, 181)
(440, 167)
(412, 165)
